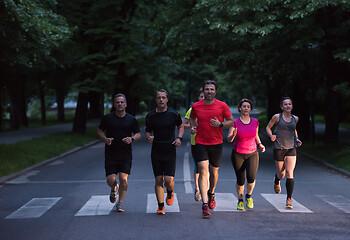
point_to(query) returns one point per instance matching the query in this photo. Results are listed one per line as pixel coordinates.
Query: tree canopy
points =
(261, 49)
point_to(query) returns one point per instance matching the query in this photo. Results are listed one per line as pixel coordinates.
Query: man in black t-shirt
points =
(119, 127)
(162, 122)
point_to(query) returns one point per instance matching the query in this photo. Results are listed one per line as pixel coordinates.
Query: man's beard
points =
(209, 97)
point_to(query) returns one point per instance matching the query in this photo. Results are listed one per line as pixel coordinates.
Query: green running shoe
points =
(250, 203)
(240, 205)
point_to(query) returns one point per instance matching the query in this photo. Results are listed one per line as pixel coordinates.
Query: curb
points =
(4, 179)
(324, 163)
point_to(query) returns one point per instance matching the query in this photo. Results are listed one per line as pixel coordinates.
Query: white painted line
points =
(152, 204)
(97, 205)
(187, 171)
(337, 201)
(187, 174)
(226, 202)
(34, 208)
(279, 202)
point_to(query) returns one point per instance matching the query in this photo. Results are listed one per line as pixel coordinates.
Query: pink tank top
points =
(245, 138)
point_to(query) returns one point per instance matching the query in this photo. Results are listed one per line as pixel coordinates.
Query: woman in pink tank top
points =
(245, 157)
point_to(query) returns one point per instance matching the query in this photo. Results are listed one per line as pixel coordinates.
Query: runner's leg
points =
(203, 179)
(123, 185)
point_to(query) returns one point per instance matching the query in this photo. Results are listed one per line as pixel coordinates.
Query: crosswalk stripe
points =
(187, 174)
(279, 202)
(96, 205)
(225, 202)
(337, 201)
(35, 208)
(152, 204)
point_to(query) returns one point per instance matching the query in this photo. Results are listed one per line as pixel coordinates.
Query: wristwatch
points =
(221, 125)
(180, 138)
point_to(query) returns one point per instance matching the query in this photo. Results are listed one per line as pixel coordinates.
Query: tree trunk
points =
(1, 111)
(95, 104)
(42, 102)
(301, 109)
(273, 100)
(60, 93)
(333, 99)
(22, 104)
(14, 102)
(80, 118)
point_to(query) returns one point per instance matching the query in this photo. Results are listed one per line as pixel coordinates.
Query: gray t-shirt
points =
(285, 134)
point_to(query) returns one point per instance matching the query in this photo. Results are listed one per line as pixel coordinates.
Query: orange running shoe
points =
(170, 199)
(289, 203)
(161, 211)
(277, 188)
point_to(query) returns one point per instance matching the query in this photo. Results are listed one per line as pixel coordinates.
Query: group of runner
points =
(206, 120)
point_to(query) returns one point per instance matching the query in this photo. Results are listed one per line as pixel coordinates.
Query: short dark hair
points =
(119, 95)
(211, 82)
(285, 98)
(162, 90)
(245, 100)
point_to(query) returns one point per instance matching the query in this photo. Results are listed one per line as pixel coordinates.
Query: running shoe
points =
(119, 207)
(289, 203)
(249, 202)
(240, 205)
(113, 195)
(211, 203)
(197, 195)
(161, 211)
(206, 212)
(277, 188)
(170, 198)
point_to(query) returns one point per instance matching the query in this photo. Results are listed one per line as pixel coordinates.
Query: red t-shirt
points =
(206, 134)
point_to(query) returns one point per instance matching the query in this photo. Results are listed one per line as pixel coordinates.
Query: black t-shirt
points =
(119, 128)
(162, 124)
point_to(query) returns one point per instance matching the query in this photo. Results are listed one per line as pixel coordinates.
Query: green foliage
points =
(30, 30)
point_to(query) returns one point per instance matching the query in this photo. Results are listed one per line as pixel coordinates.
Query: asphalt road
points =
(68, 199)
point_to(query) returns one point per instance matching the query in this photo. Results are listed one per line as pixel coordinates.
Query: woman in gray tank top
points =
(285, 140)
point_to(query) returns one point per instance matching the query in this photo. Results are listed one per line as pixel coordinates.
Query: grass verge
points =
(337, 155)
(15, 157)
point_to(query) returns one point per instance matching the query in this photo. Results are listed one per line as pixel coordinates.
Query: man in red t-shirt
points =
(207, 120)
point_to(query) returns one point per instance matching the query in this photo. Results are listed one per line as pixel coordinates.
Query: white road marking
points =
(34, 208)
(279, 202)
(337, 201)
(187, 174)
(226, 202)
(96, 205)
(152, 204)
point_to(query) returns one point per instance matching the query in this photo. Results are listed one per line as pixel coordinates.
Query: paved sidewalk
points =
(29, 133)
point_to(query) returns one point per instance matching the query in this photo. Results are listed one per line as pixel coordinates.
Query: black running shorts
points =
(212, 153)
(117, 167)
(280, 154)
(163, 159)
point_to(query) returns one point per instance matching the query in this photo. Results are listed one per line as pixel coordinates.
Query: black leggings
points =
(248, 163)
